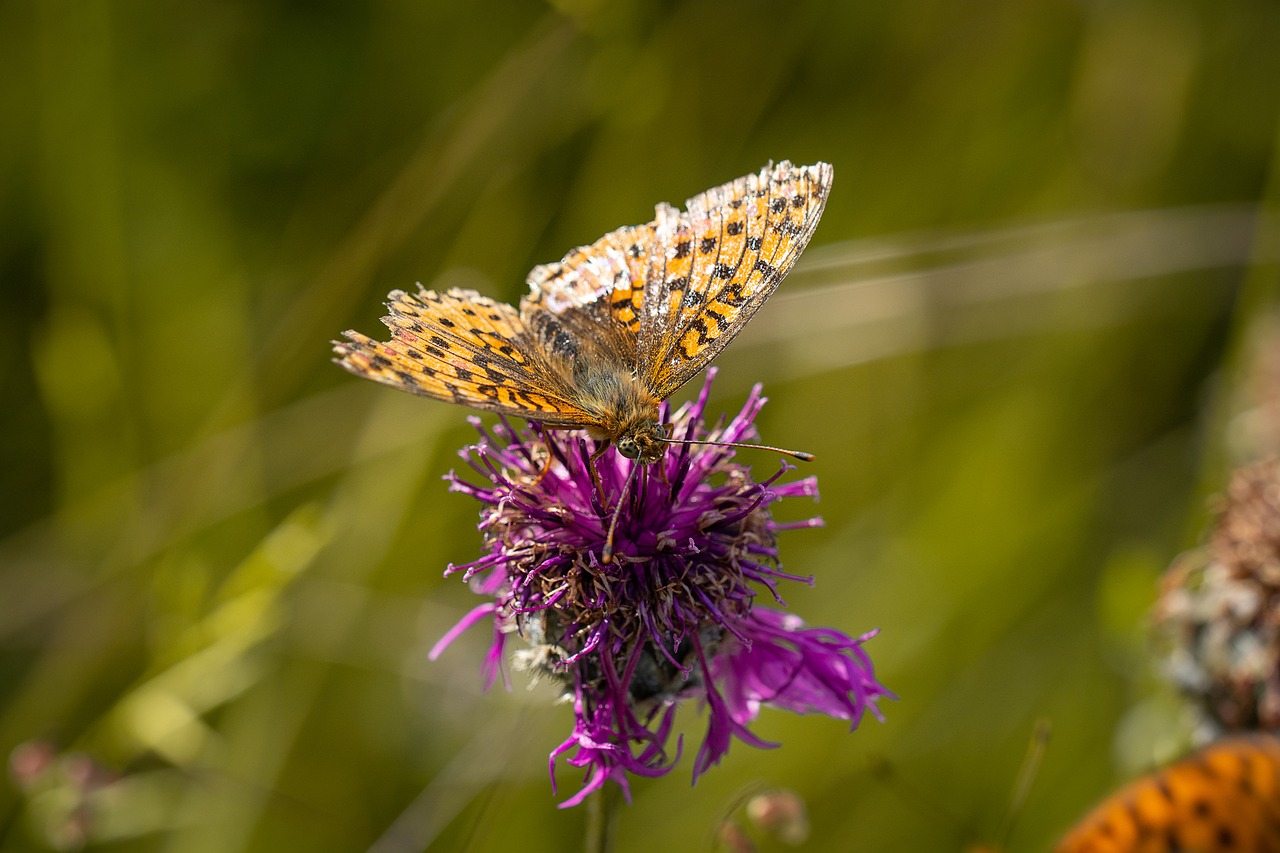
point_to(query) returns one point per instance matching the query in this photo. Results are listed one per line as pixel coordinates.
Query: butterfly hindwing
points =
(597, 290)
(462, 347)
(715, 264)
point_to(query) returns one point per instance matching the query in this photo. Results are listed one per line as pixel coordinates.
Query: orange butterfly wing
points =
(1223, 799)
(462, 347)
(715, 264)
(598, 290)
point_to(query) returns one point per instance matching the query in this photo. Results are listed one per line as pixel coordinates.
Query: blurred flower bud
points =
(781, 814)
(733, 838)
(29, 761)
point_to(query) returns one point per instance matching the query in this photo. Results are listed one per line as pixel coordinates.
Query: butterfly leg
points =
(546, 463)
(595, 473)
(595, 484)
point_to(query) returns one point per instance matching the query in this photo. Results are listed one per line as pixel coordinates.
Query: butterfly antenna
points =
(794, 454)
(1026, 777)
(606, 553)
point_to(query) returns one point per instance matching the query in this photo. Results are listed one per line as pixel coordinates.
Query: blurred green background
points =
(1012, 346)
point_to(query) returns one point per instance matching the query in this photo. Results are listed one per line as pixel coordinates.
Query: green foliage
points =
(1011, 346)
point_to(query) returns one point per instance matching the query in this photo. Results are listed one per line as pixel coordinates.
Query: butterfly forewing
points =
(462, 347)
(716, 264)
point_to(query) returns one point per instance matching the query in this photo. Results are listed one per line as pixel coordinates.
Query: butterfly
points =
(614, 328)
(1225, 798)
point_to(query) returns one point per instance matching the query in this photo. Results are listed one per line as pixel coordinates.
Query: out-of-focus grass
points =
(1011, 347)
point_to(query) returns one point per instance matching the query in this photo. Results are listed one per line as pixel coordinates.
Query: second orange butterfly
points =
(1224, 798)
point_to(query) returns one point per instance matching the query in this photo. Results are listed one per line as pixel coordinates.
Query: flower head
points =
(673, 615)
(1217, 611)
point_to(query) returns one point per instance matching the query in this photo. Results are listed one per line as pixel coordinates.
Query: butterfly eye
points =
(627, 447)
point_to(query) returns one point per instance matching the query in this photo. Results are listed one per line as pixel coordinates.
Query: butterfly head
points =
(645, 441)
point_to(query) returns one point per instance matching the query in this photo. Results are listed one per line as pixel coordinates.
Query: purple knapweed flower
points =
(673, 615)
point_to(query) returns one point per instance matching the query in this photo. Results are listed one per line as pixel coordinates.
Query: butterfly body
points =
(614, 328)
(626, 413)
